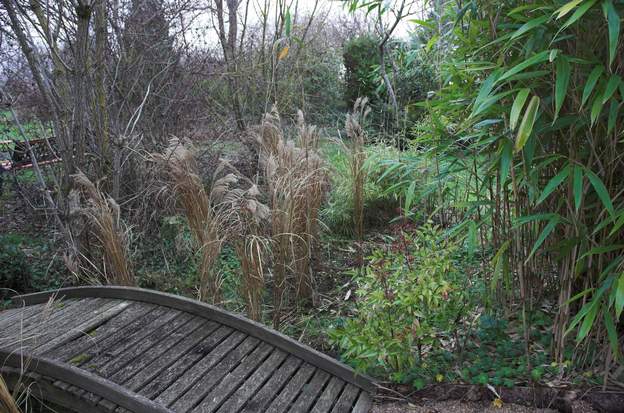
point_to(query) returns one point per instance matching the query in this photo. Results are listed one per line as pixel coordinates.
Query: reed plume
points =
(104, 216)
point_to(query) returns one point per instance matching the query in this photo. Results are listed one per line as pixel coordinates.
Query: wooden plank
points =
(233, 380)
(96, 336)
(141, 351)
(112, 340)
(157, 350)
(249, 327)
(49, 324)
(85, 380)
(310, 392)
(329, 396)
(245, 391)
(12, 315)
(198, 382)
(97, 318)
(272, 387)
(128, 338)
(150, 371)
(292, 389)
(132, 352)
(363, 403)
(346, 400)
(222, 337)
(76, 315)
(47, 313)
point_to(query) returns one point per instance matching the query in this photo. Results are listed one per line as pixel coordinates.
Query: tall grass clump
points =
(296, 182)
(246, 219)
(103, 215)
(357, 158)
(183, 180)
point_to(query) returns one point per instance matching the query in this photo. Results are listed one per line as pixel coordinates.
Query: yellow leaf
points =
(283, 53)
(439, 378)
(498, 403)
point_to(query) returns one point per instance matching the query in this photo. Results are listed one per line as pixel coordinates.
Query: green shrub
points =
(409, 297)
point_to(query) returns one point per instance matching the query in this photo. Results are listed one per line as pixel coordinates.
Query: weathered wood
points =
(13, 315)
(244, 392)
(95, 337)
(45, 314)
(157, 318)
(51, 330)
(213, 313)
(210, 377)
(363, 403)
(271, 388)
(90, 323)
(310, 392)
(48, 324)
(144, 355)
(185, 355)
(346, 400)
(177, 370)
(292, 389)
(234, 379)
(84, 380)
(150, 371)
(42, 389)
(159, 334)
(329, 396)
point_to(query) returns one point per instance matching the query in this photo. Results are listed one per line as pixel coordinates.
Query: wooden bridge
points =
(119, 349)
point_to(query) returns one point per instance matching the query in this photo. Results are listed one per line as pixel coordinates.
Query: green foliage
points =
(379, 204)
(28, 264)
(360, 56)
(408, 297)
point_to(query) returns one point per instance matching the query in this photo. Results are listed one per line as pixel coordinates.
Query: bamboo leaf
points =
(596, 109)
(517, 106)
(409, 196)
(526, 126)
(538, 58)
(611, 333)
(582, 9)
(588, 321)
(613, 21)
(601, 190)
(602, 250)
(566, 8)
(528, 26)
(612, 85)
(562, 82)
(287, 23)
(591, 82)
(619, 297)
(577, 186)
(544, 234)
(554, 183)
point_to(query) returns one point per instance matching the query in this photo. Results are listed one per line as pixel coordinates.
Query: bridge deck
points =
(120, 349)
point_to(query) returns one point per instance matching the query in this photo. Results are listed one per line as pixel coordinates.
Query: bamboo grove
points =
(523, 146)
